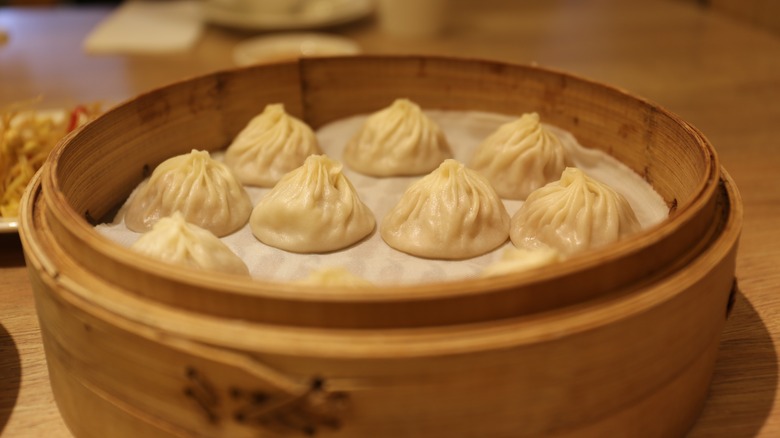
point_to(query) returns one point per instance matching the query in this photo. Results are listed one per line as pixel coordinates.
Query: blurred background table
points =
(719, 71)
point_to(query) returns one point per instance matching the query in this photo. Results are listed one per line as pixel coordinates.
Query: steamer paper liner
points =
(372, 258)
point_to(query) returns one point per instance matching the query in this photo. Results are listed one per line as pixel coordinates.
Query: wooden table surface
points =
(718, 73)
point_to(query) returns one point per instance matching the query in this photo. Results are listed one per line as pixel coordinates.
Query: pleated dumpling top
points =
(573, 214)
(203, 190)
(173, 240)
(398, 140)
(451, 213)
(520, 157)
(272, 144)
(312, 209)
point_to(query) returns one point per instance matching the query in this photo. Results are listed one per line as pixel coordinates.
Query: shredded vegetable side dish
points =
(26, 138)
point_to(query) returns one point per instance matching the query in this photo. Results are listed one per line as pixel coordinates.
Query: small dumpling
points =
(451, 213)
(313, 209)
(336, 276)
(173, 240)
(573, 214)
(203, 190)
(520, 157)
(272, 144)
(396, 141)
(517, 260)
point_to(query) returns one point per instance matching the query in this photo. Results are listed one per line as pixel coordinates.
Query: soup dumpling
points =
(312, 209)
(396, 141)
(451, 213)
(572, 214)
(515, 260)
(173, 240)
(520, 157)
(334, 276)
(272, 144)
(203, 190)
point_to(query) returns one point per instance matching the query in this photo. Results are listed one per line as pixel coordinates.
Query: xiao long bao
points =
(313, 209)
(202, 189)
(334, 276)
(175, 241)
(272, 144)
(519, 157)
(451, 213)
(571, 215)
(399, 140)
(516, 260)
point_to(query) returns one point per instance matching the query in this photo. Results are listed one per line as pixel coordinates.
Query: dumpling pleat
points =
(571, 215)
(203, 190)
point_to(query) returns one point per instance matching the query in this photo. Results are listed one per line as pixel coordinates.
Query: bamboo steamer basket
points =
(620, 341)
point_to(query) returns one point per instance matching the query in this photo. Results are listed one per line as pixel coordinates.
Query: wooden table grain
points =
(718, 73)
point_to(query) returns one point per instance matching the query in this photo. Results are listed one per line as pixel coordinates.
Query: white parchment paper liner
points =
(372, 258)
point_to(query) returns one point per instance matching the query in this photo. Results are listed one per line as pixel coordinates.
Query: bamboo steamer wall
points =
(207, 112)
(618, 342)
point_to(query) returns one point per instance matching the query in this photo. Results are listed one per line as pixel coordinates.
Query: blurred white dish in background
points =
(285, 15)
(291, 46)
(275, 7)
(9, 225)
(148, 28)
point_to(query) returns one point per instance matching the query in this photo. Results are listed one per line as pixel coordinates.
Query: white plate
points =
(316, 14)
(9, 225)
(291, 46)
